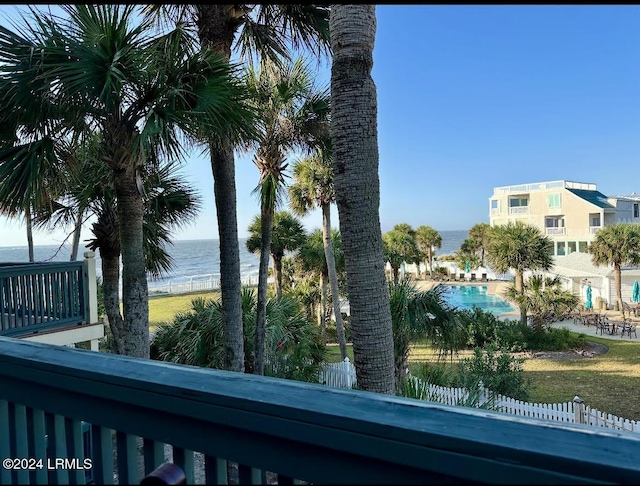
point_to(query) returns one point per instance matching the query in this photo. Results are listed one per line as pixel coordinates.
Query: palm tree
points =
(313, 187)
(468, 254)
(287, 235)
(519, 246)
(263, 30)
(170, 203)
(399, 247)
(354, 136)
(544, 299)
(292, 113)
(617, 245)
(428, 238)
(420, 314)
(313, 259)
(479, 234)
(146, 93)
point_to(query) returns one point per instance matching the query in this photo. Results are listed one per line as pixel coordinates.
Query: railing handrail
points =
(38, 267)
(284, 426)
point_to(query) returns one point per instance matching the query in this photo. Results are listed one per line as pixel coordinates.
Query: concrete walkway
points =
(591, 330)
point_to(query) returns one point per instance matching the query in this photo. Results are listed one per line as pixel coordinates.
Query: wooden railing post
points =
(578, 410)
(90, 288)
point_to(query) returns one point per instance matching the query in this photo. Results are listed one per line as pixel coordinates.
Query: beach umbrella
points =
(588, 304)
(635, 294)
(467, 267)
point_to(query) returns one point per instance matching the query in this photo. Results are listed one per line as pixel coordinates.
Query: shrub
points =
(499, 372)
(552, 339)
(435, 373)
(293, 347)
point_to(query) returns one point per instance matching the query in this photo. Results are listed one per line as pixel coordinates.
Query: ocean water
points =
(193, 259)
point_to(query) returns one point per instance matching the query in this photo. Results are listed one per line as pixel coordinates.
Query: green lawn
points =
(610, 382)
(162, 308)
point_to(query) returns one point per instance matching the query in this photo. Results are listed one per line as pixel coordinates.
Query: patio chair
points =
(628, 328)
(603, 325)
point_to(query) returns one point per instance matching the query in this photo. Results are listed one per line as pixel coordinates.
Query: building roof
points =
(579, 265)
(594, 197)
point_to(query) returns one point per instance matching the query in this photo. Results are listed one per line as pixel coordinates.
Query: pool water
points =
(469, 296)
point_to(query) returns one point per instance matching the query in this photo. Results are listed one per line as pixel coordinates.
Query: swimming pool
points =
(469, 296)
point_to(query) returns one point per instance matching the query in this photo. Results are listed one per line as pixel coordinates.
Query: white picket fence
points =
(343, 375)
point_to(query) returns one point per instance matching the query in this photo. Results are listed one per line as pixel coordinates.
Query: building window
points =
(582, 247)
(636, 210)
(515, 202)
(554, 222)
(560, 248)
(595, 220)
(571, 247)
(554, 200)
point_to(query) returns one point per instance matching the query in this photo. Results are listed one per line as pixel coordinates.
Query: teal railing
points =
(274, 428)
(41, 296)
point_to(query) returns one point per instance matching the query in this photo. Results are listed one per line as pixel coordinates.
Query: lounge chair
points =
(461, 277)
(484, 277)
(473, 277)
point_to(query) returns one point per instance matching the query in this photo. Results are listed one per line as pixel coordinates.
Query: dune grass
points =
(610, 382)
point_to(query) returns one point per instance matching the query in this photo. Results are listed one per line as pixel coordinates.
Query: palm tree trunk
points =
(27, 215)
(75, 244)
(323, 305)
(277, 268)
(617, 281)
(135, 293)
(396, 273)
(266, 227)
(333, 277)
(519, 280)
(111, 296)
(217, 27)
(354, 133)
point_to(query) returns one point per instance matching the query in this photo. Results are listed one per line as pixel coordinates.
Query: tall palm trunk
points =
(323, 305)
(333, 277)
(27, 216)
(216, 29)
(135, 295)
(277, 270)
(266, 215)
(354, 133)
(617, 281)
(77, 229)
(111, 297)
(519, 285)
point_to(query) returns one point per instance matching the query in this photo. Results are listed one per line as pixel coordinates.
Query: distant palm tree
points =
(398, 247)
(147, 93)
(292, 113)
(544, 299)
(480, 234)
(313, 187)
(266, 31)
(428, 238)
(519, 246)
(354, 136)
(287, 236)
(617, 245)
(312, 256)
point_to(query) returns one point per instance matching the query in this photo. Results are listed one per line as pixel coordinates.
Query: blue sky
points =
(474, 97)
